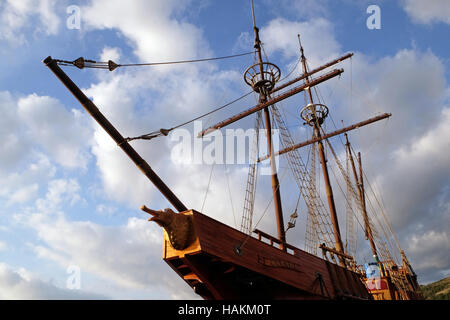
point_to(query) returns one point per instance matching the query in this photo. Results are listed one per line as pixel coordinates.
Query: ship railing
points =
(272, 240)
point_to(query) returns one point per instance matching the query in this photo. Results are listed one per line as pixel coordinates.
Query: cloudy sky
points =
(69, 198)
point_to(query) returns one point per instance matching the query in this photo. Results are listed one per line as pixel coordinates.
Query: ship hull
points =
(224, 263)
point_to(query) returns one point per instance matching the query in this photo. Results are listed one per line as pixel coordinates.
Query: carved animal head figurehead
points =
(178, 226)
(163, 218)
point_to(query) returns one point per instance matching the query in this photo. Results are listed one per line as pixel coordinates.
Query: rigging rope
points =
(207, 188)
(292, 71)
(82, 63)
(165, 132)
(229, 193)
(264, 212)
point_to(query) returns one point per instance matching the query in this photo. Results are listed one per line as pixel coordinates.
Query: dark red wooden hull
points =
(216, 270)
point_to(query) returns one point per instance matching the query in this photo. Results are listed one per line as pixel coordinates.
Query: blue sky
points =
(68, 196)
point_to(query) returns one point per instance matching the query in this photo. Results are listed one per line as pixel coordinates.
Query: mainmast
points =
(263, 82)
(314, 115)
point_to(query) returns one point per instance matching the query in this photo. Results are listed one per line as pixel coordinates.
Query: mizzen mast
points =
(362, 197)
(360, 188)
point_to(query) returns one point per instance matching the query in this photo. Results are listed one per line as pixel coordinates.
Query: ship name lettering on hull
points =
(278, 263)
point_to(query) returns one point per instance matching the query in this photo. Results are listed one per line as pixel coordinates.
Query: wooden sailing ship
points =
(221, 262)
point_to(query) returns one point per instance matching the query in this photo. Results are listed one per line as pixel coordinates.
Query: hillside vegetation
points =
(439, 290)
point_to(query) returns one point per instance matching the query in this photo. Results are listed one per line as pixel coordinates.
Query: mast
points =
(360, 188)
(263, 86)
(369, 228)
(315, 114)
(362, 197)
(366, 218)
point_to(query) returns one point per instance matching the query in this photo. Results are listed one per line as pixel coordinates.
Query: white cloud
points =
(128, 256)
(18, 16)
(151, 27)
(39, 133)
(59, 192)
(106, 210)
(183, 96)
(300, 8)
(116, 169)
(60, 132)
(403, 84)
(398, 151)
(110, 53)
(13, 145)
(47, 16)
(24, 194)
(22, 185)
(419, 171)
(22, 285)
(316, 35)
(433, 245)
(426, 12)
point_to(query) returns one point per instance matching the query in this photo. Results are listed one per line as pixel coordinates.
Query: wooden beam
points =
(270, 102)
(203, 275)
(325, 248)
(273, 239)
(329, 135)
(303, 76)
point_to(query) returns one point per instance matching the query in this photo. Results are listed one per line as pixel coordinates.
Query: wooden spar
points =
(329, 135)
(358, 184)
(92, 109)
(366, 217)
(360, 188)
(303, 76)
(363, 203)
(270, 102)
